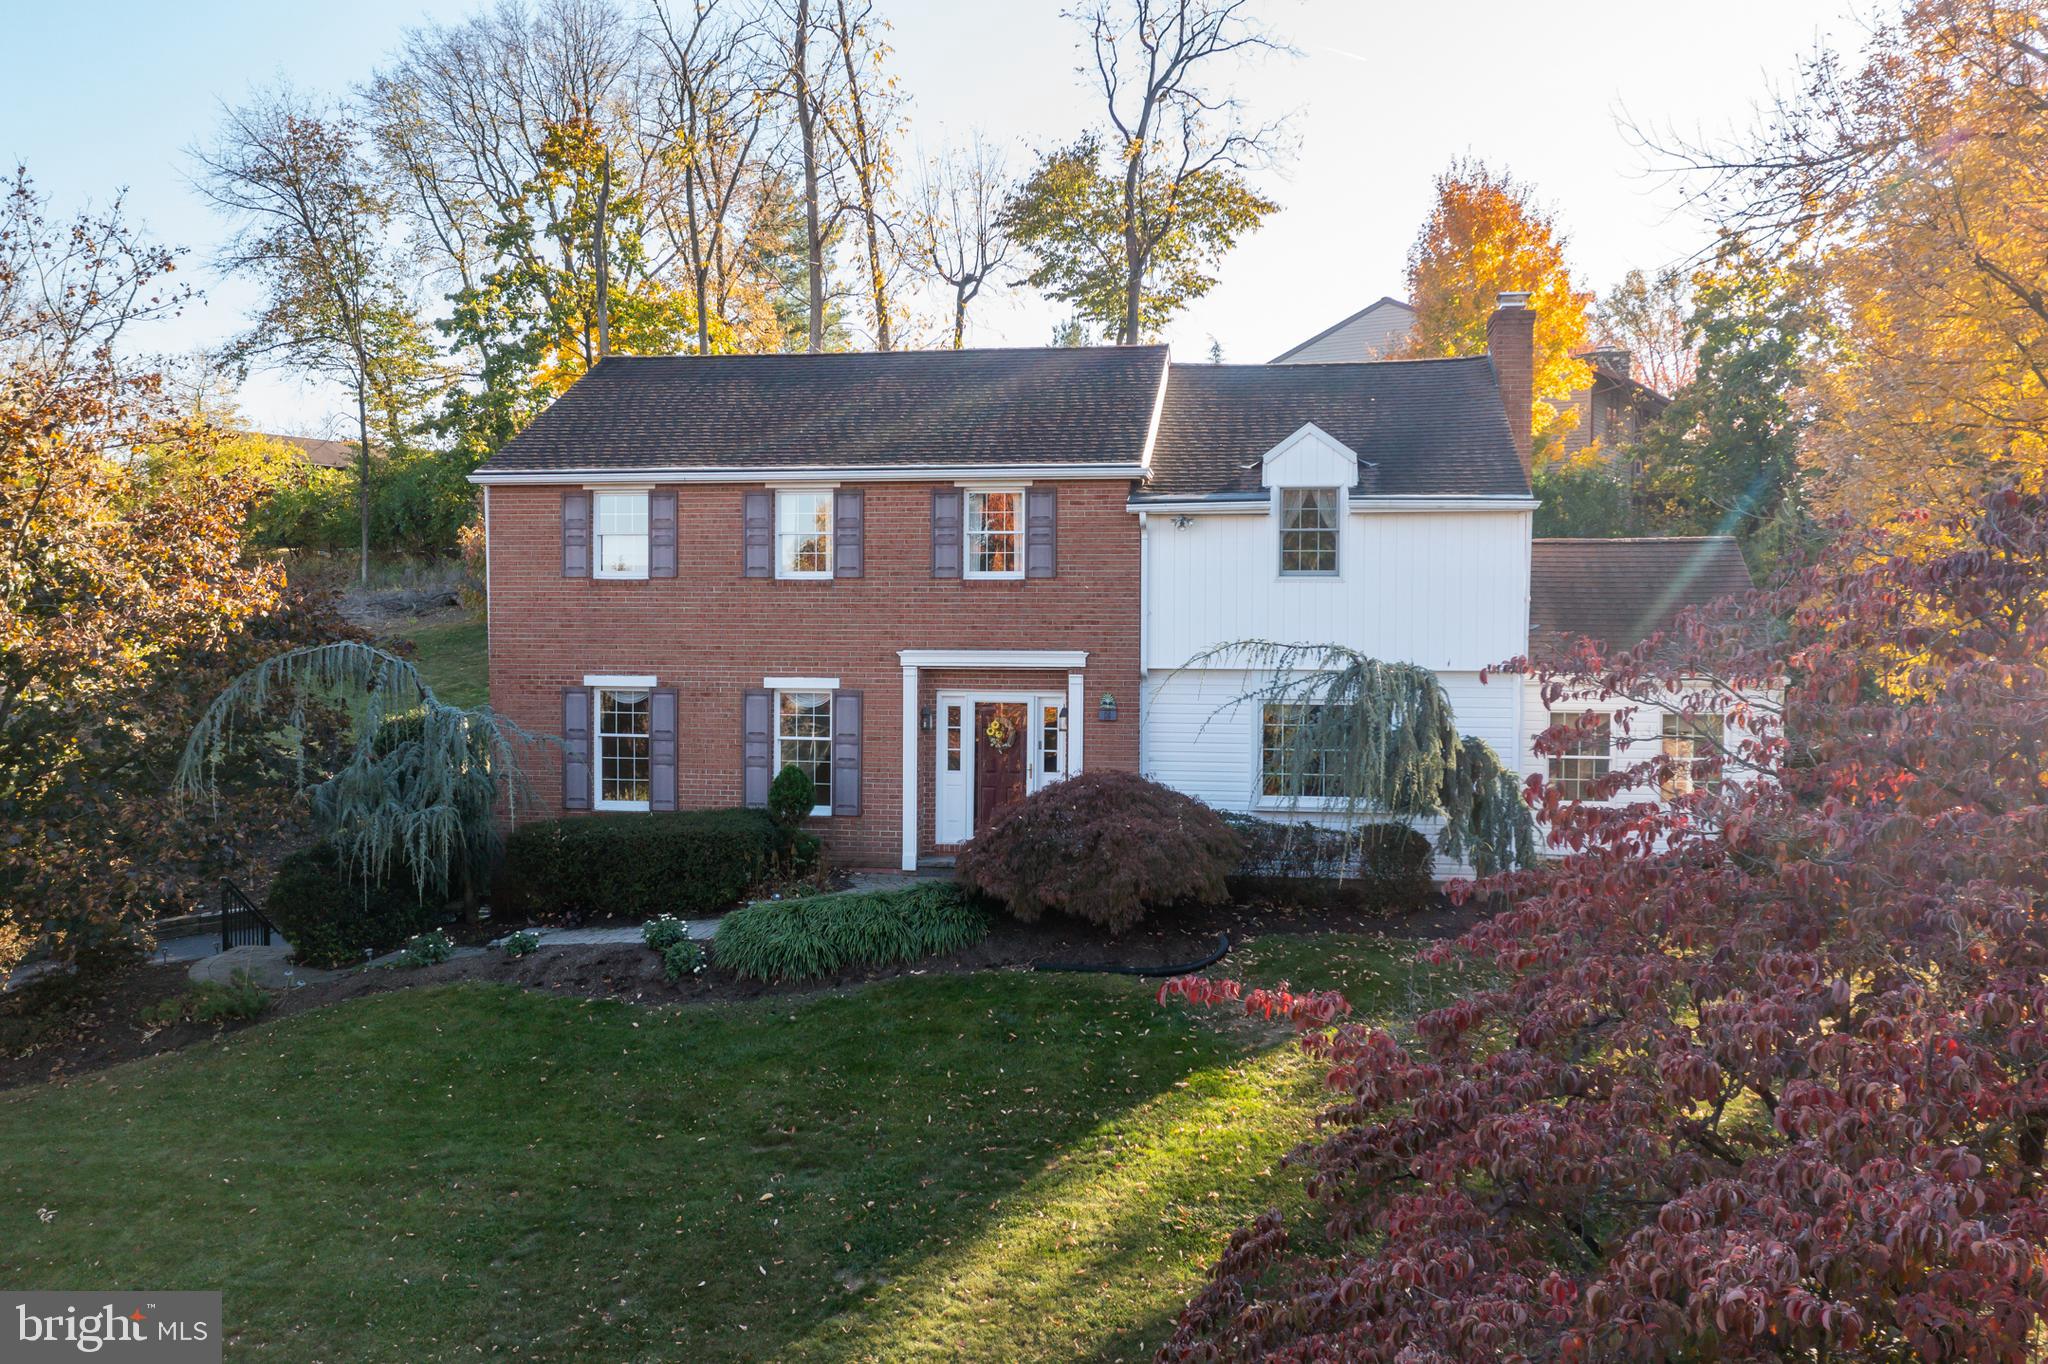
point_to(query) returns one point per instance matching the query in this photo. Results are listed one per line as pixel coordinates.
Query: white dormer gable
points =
(1310, 458)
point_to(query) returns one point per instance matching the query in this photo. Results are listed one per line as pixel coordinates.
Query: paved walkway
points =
(266, 965)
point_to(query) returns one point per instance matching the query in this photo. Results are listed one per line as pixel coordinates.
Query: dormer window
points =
(1308, 532)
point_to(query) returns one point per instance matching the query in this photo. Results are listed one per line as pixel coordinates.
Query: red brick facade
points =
(711, 634)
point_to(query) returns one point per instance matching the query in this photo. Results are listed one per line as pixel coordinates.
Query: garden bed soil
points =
(107, 1028)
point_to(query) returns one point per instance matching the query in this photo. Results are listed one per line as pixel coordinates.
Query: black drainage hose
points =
(1184, 968)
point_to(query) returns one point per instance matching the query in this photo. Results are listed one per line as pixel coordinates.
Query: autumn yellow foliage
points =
(1487, 235)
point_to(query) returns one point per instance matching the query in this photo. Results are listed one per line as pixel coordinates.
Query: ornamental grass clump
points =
(794, 940)
(1105, 847)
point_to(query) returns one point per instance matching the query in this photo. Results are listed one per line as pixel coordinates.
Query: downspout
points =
(1144, 629)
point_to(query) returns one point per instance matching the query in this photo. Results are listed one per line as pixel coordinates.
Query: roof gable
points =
(1310, 458)
(1374, 332)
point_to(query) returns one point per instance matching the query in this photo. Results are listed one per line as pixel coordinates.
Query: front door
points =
(1002, 742)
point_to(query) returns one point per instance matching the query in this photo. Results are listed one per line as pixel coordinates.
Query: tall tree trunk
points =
(1134, 260)
(363, 468)
(959, 315)
(807, 126)
(604, 318)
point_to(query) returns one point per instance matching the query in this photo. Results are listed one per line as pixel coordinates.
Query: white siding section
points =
(1447, 590)
(1377, 333)
(1199, 738)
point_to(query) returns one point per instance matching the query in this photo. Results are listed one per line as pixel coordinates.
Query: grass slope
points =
(1001, 1166)
(455, 660)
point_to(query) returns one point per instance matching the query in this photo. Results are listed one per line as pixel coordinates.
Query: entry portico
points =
(982, 701)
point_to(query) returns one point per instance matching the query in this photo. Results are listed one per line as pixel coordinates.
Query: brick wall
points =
(711, 634)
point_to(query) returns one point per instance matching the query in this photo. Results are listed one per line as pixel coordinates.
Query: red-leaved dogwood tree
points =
(1761, 1074)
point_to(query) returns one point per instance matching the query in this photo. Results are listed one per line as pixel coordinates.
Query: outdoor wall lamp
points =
(926, 719)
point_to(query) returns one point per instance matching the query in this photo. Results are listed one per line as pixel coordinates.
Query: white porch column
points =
(1077, 706)
(910, 767)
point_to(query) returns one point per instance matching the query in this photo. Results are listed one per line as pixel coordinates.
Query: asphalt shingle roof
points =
(1079, 405)
(1622, 591)
(1432, 427)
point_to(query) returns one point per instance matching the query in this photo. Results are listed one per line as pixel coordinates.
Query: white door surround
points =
(1069, 661)
(953, 784)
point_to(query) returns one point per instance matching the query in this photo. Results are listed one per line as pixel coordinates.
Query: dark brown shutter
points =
(1041, 532)
(757, 534)
(575, 748)
(757, 746)
(661, 749)
(576, 534)
(849, 532)
(945, 532)
(845, 752)
(661, 533)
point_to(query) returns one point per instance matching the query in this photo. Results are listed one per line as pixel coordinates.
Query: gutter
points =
(895, 473)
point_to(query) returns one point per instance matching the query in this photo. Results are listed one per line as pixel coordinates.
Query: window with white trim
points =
(995, 533)
(624, 752)
(1694, 743)
(954, 729)
(621, 539)
(803, 533)
(1575, 770)
(803, 739)
(1289, 742)
(1049, 741)
(1308, 532)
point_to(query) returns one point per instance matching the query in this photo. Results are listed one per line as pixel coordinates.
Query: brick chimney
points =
(1511, 341)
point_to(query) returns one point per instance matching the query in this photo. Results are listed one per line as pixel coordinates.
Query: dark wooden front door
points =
(998, 770)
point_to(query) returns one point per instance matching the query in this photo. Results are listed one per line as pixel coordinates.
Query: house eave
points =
(890, 473)
(1246, 504)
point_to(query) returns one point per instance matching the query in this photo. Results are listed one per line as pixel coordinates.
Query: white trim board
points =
(924, 473)
(800, 683)
(1062, 660)
(618, 680)
(1257, 506)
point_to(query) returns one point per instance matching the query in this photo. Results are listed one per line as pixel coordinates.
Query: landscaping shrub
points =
(1107, 847)
(681, 958)
(428, 949)
(210, 1002)
(819, 934)
(1382, 867)
(330, 921)
(521, 943)
(638, 865)
(791, 797)
(663, 932)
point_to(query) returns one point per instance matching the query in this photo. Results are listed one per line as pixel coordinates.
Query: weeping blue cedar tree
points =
(1379, 742)
(421, 786)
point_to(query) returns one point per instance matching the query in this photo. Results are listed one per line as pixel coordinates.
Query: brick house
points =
(937, 581)
(910, 574)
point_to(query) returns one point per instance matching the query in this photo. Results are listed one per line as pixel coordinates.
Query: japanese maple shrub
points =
(1108, 847)
(1761, 1074)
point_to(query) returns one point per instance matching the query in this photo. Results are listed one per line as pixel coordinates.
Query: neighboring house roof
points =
(1418, 427)
(1623, 591)
(1374, 332)
(901, 409)
(324, 454)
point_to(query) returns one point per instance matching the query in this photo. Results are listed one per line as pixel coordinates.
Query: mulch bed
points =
(103, 1026)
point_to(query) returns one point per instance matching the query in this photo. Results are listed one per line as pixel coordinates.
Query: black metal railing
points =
(241, 923)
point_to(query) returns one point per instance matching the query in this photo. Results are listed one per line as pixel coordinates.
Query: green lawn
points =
(1001, 1166)
(454, 658)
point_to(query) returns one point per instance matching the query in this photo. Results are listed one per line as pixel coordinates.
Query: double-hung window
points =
(1297, 757)
(803, 739)
(1584, 762)
(803, 533)
(621, 521)
(995, 533)
(624, 757)
(1308, 532)
(1694, 745)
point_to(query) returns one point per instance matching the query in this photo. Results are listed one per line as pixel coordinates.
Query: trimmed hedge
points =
(330, 920)
(1383, 867)
(638, 865)
(1107, 847)
(820, 934)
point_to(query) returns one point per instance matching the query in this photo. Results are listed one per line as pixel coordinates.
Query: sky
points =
(102, 97)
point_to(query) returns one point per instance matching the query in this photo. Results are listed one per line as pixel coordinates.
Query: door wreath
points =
(1001, 733)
